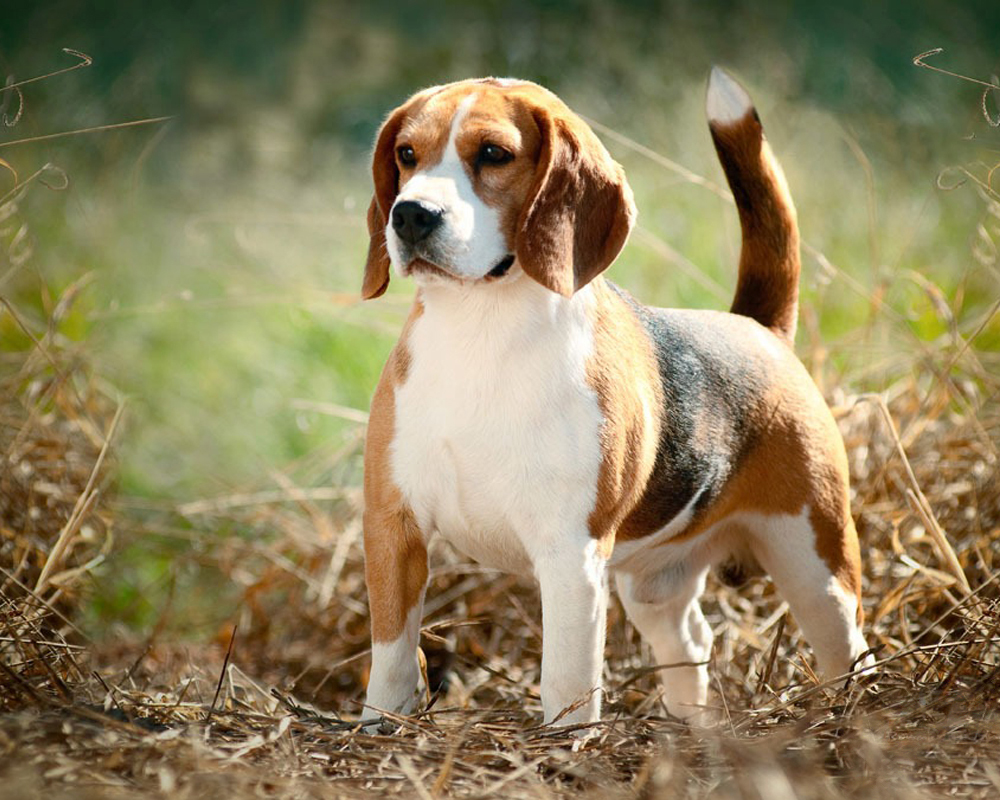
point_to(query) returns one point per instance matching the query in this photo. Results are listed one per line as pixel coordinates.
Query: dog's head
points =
(483, 180)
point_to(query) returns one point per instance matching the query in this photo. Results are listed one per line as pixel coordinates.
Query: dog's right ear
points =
(385, 175)
(377, 266)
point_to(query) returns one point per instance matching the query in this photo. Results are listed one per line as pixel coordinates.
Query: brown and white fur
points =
(546, 423)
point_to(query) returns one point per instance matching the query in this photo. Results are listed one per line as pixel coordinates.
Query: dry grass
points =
(55, 431)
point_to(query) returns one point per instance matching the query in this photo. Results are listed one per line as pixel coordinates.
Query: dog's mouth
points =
(421, 265)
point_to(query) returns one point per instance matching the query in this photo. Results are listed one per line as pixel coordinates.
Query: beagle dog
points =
(546, 423)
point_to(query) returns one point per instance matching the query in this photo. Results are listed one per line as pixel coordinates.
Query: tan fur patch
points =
(622, 371)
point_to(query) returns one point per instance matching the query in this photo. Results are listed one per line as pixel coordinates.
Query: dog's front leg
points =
(574, 591)
(396, 575)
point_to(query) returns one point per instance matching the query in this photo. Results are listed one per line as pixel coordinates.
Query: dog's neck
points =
(501, 317)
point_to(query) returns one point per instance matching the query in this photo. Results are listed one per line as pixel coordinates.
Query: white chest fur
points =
(496, 444)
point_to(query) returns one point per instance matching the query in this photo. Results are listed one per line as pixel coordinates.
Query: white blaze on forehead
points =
(469, 242)
(456, 124)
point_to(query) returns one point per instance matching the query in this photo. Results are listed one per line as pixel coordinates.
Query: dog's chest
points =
(496, 441)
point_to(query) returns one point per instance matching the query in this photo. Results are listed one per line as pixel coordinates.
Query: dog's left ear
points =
(580, 209)
(385, 175)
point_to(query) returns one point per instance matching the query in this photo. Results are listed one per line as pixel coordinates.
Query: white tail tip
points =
(727, 101)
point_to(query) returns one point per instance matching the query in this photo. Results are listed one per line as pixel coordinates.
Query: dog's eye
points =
(406, 156)
(494, 155)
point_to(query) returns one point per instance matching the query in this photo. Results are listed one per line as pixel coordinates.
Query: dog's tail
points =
(768, 286)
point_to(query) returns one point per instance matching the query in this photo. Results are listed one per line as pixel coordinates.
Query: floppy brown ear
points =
(385, 175)
(376, 278)
(579, 211)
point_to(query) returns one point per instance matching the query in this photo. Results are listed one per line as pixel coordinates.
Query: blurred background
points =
(214, 258)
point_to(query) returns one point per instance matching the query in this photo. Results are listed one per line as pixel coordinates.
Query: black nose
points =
(414, 221)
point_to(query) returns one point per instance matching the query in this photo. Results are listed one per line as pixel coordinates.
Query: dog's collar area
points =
(501, 269)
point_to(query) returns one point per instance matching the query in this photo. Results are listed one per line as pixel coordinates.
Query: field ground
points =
(253, 714)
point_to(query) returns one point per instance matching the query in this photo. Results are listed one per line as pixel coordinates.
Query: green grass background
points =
(223, 249)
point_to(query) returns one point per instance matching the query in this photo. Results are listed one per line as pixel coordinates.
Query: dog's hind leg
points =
(815, 565)
(668, 616)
